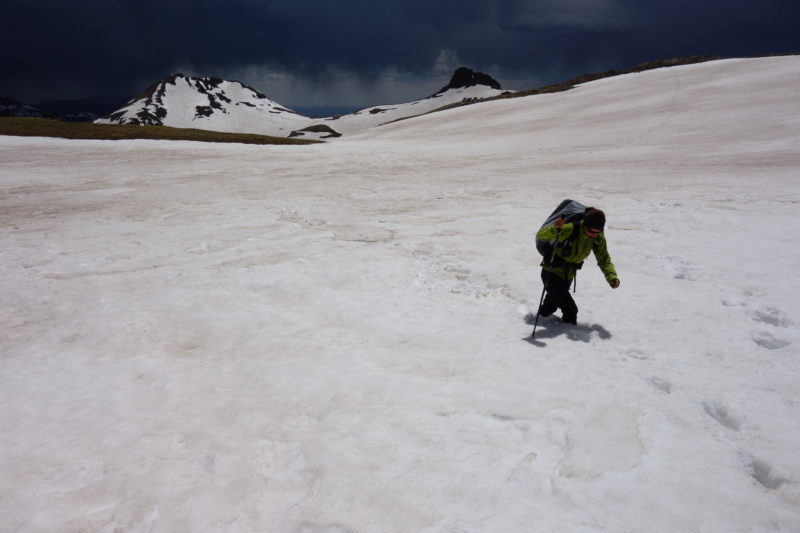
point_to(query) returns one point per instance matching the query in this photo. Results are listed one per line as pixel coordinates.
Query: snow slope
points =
(330, 338)
(371, 117)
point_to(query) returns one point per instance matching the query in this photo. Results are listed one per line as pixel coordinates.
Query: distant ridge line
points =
(586, 78)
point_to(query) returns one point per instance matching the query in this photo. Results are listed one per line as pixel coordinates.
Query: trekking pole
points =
(546, 283)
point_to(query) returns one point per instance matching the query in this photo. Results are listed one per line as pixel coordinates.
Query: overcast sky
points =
(363, 52)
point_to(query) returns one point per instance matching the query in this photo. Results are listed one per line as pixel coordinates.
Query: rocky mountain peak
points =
(466, 77)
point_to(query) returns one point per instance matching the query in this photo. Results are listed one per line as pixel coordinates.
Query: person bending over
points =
(573, 244)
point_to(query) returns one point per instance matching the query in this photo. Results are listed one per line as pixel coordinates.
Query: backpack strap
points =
(567, 247)
(576, 231)
(547, 248)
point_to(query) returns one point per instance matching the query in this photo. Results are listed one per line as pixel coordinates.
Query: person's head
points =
(594, 222)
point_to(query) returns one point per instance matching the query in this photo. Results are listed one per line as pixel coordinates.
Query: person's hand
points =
(559, 223)
(614, 283)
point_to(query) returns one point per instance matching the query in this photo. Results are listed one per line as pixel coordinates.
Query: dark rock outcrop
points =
(318, 128)
(465, 77)
(152, 108)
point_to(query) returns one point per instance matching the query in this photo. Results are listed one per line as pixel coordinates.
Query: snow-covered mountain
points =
(214, 104)
(464, 85)
(207, 103)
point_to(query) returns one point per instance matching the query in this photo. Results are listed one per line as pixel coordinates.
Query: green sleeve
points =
(604, 260)
(549, 233)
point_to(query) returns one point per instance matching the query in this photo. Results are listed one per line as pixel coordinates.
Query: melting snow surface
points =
(331, 338)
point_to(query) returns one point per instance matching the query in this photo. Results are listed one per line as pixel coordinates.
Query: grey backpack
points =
(571, 211)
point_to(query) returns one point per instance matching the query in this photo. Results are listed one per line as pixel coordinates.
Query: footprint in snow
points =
(721, 415)
(772, 316)
(733, 302)
(765, 339)
(635, 354)
(661, 384)
(761, 471)
(677, 267)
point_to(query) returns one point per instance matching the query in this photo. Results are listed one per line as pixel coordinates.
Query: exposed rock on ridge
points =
(466, 77)
(216, 104)
(325, 131)
(152, 108)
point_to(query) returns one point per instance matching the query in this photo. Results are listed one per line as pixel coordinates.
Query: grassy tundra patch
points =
(44, 127)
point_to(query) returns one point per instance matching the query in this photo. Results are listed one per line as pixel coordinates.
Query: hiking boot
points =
(570, 320)
(545, 312)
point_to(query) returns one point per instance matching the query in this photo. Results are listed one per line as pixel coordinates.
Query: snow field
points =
(334, 338)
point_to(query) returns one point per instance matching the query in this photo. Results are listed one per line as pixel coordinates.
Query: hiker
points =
(571, 249)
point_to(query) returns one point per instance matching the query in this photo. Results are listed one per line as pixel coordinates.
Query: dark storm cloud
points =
(58, 48)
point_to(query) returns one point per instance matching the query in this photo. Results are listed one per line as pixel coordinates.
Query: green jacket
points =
(567, 264)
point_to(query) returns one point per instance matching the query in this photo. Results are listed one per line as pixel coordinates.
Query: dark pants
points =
(558, 297)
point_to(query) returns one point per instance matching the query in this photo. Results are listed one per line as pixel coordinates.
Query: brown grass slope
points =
(43, 127)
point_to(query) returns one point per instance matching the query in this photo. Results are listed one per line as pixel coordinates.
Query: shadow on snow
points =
(552, 327)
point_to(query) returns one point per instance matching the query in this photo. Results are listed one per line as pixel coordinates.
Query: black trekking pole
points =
(546, 283)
